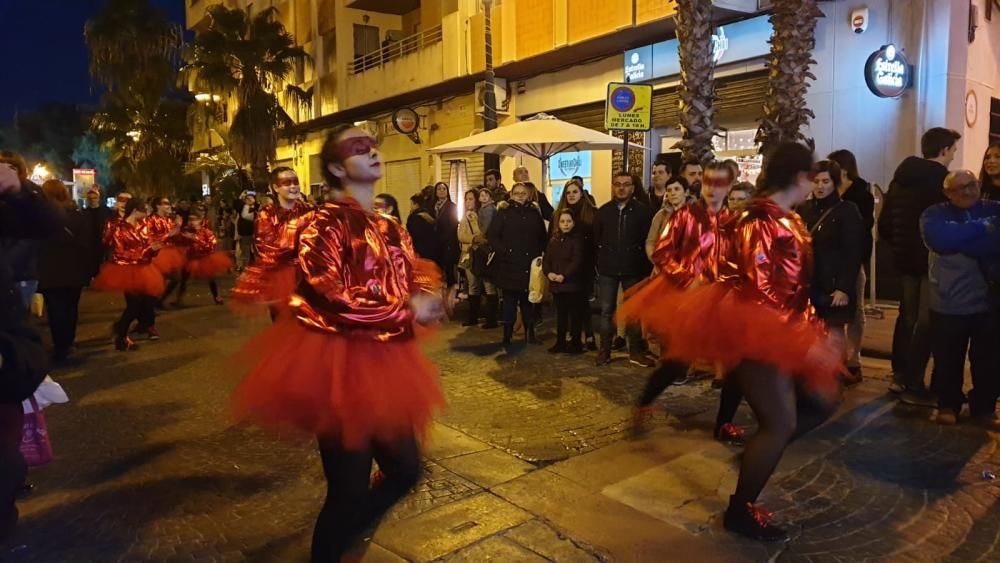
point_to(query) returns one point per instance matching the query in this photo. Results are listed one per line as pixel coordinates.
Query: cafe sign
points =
(888, 73)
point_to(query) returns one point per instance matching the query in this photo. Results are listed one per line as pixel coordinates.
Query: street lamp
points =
(135, 135)
(490, 161)
(40, 173)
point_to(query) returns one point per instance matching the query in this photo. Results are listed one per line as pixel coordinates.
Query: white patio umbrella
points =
(540, 136)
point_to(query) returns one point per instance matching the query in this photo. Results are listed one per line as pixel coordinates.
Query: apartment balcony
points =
(397, 7)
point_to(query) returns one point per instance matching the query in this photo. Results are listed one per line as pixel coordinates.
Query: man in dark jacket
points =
(916, 185)
(964, 248)
(23, 214)
(97, 215)
(620, 231)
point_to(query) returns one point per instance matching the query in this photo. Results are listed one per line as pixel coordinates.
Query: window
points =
(994, 120)
(365, 40)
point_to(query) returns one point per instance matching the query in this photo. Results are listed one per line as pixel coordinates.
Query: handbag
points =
(36, 448)
(538, 284)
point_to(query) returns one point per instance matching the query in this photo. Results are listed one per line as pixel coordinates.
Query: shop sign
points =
(629, 107)
(888, 73)
(565, 165)
(731, 43)
(406, 121)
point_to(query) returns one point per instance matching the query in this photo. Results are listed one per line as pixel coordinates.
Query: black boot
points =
(508, 335)
(473, 318)
(529, 334)
(492, 307)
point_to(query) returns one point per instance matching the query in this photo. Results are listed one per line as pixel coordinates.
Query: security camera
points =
(859, 20)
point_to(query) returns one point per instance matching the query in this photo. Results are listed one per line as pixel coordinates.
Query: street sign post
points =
(629, 107)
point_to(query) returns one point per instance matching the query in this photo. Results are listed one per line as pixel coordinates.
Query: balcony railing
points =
(395, 50)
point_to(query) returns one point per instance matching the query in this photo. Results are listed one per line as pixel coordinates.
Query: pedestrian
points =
(24, 213)
(387, 205)
(916, 185)
(989, 175)
(225, 228)
(130, 270)
(676, 195)
(97, 216)
(538, 196)
(739, 197)
(487, 211)
(620, 231)
(420, 223)
(690, 251)
(246, 217)
(64, 268)
(517, 236)
(446, 228)
(660, 178)
(346, 367)
(272, 279)
(563, 266)
(575, 199)
(857, 190)
(492, 181)
(180, 243)
(691, 170)
(204, 260)
(837, 233)
(470, 236)
(964, 256)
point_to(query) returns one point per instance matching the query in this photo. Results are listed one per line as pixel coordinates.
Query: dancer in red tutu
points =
(272, 277)
(162, 228)
(130, 270)
(691, 252)
(344, 364)
(202, 259)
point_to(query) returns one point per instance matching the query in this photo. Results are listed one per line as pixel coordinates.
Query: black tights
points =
(180, 284)
(352, 506)
(661, 378)
(139, 308)
(729, 402)
(782, 414)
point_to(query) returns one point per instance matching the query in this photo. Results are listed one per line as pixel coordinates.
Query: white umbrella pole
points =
(545, 177)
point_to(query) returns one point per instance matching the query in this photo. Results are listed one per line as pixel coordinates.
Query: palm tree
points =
(785, 109)
(697, 87)
(249, 59)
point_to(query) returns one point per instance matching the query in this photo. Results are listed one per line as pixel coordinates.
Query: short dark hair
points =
(661, 163)
(391, 201)
(831, 168)
(688, 162)
(682, 181)
(278, 171)
(725, 166)
(786, 161)
(328, 154)
(492, 172)
(936, 140)
(132, 204)
(848, 164)
(743, 187)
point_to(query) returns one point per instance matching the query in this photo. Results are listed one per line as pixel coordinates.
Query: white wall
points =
(982, 62)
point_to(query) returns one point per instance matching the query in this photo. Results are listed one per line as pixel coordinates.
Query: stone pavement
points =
(530, 462)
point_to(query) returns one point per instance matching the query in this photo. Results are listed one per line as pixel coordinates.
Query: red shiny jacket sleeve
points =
(754, 260)
(677, 247)
(265, 232)
(204, 242)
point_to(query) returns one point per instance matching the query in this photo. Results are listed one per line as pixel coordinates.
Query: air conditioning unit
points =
(502, 95)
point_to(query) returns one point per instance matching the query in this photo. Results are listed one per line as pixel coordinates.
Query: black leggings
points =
(661, 378)
(139, 308)
(568, 313)
(729, 402)
(62, 305)
(180, 284)
(351, 506)
(782, 412)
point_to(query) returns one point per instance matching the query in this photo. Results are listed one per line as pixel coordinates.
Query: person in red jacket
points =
(130, 270)
(563, 265)
(202, 258)
(344, 364)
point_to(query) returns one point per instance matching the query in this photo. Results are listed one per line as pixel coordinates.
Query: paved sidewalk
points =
(530, 462)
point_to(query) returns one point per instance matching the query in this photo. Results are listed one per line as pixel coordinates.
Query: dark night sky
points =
(45, 58)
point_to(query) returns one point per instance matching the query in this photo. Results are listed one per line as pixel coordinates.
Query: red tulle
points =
(272, 285)
(344, 387)
(169, 259)
(144, 279)
(209, 267)
(714, 323)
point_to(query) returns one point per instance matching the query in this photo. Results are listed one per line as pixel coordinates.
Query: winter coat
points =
(838, 249)
(97, 219)
(860, 194)
(964, 250)
(468, 230)
(420, 225)
(564, 256)
(64, 259)
(517, 236)
(620, 235)
(917, 184)
(486, 215)
(446, 227)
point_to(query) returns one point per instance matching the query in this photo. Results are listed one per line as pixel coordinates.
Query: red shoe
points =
(641, 417)
(219, 301)
(151, 333)
(124, 343)
(731, 434)
(376, 479)
(752, 521)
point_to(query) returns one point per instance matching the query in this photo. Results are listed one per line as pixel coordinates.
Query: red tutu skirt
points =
(169, 259)
(209, 267)
(260, 285)
(350, 388)
(714, 323)
(144, 279)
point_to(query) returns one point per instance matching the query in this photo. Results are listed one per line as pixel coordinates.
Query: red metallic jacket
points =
(772, 251)
(360, 270)
(203, 244)
(694, 246)
(276, 233)
(157, 228)
(128, 243)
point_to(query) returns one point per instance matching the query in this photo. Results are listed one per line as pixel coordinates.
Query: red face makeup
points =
(287, 182)
(355, 146)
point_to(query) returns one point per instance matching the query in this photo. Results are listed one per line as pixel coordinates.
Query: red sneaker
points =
(125, 343)
(731, 434)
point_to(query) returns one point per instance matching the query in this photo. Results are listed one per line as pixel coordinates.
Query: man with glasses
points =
(964, 245)
(620, 231)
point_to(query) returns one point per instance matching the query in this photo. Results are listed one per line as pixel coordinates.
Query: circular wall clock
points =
(971, 108)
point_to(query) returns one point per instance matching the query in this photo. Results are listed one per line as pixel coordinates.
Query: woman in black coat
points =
(63, 269)
(838, 247)
(517, 236)
(420, 225)
(446, 225)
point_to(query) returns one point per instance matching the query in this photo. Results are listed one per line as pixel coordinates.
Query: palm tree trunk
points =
(697, 87)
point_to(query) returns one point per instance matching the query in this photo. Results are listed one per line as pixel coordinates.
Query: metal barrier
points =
(395, 50)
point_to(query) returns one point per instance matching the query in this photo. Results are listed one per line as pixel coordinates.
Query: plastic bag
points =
(538, 284)
(36, 448)
(48, 393)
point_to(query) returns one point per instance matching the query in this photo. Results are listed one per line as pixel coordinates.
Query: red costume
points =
(272, 278)
(759, 311)
(203, 260)
(170, 257)
(130, 268)
(346, 365)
